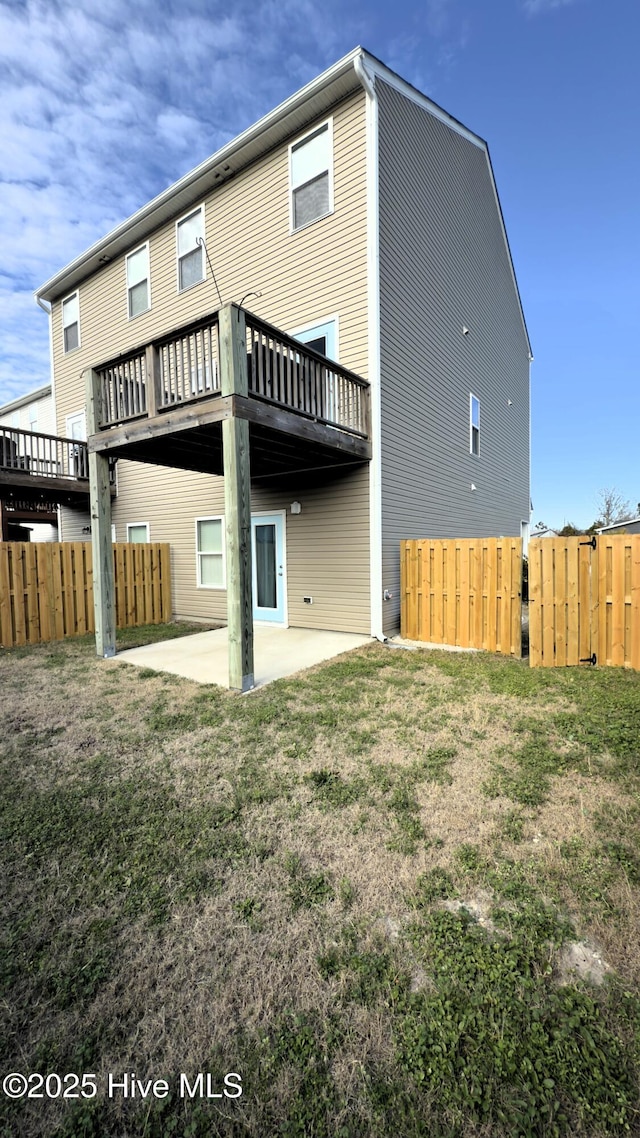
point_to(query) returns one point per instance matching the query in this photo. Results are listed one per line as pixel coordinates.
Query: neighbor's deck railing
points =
(184, 367)
(30, 452)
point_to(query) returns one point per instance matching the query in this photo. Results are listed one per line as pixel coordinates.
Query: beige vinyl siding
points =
(327, 543)
(444, 264)
(75, 525)
(305, 277)
(46, 424)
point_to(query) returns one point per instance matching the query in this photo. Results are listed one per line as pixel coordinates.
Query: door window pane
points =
(265, 551)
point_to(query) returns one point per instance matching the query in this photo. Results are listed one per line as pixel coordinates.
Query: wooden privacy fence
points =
(464, 592)
(584, 601)
(46, 589)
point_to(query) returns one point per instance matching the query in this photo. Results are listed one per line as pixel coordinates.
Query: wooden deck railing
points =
(293, 375)
(184, 367)
(178, 368)
(30, 452)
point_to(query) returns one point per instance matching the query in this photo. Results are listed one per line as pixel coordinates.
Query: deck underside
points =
(281, 442)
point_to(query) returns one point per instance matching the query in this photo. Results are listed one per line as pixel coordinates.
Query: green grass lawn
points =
(397, 895)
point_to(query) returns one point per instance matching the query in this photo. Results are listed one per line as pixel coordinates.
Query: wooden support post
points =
(4, 523)
(153, 380)
(237, 499)
(100, 510)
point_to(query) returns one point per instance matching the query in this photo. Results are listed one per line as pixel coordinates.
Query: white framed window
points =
(138, 284)
(311, 176)
(210, 558)
(76, 428)
(138, 533)
(33, 416)
(323, 338)
(191, 267)
(474, 424)
(71, 322)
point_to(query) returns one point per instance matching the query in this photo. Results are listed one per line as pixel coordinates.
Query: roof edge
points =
(22, 400)
(56, 286)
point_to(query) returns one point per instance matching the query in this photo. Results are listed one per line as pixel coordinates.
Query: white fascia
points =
(373, 335)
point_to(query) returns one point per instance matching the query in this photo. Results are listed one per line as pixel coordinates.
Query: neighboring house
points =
(32, 412)
(363, 220)
(632, 525)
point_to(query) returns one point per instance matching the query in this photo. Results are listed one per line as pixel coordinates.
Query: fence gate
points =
(464, 592)
(584, 601)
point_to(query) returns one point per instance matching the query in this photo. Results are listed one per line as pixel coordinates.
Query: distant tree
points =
(570, 530)
(612, 508)
(539, 527)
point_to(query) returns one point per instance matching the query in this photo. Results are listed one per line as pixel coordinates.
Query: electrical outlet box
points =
(308, 600)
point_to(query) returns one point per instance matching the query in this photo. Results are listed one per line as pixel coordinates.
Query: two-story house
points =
(32, 520)
(362, 221)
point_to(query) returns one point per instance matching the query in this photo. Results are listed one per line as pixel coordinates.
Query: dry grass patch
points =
(198, 882)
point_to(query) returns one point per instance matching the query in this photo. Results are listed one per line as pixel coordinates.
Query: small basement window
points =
(311, 176)
(474, 424)
(138, 533)
(71, 322)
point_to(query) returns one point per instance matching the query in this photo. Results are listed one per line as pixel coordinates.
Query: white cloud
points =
(103, 106)
(539, 7)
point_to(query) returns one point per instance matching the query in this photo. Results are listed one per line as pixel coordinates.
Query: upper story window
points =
(138, 292)
(33, 416)
(190, 253)
(311, 176)
(71, 322)
(474, 424)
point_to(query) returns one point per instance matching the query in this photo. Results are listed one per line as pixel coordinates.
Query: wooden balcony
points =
(35, 467)
(226, 395)
(165, 402)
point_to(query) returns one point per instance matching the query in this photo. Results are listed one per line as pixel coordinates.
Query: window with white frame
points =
(210, 564)
(138, 292)
(190, 254)
(474, 424)
(311, 176)
(138, 533)
(71, 322)
(33, 416)
(323, 338)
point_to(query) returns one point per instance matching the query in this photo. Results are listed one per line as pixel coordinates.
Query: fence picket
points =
(46, 590)
(585, 601)
(463, 592)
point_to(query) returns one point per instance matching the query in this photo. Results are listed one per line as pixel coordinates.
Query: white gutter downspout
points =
(373, 305)
(48, 308)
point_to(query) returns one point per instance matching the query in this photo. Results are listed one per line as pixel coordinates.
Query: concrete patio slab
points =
(278, 652)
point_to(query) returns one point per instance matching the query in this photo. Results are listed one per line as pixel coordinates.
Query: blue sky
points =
(102, 105)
